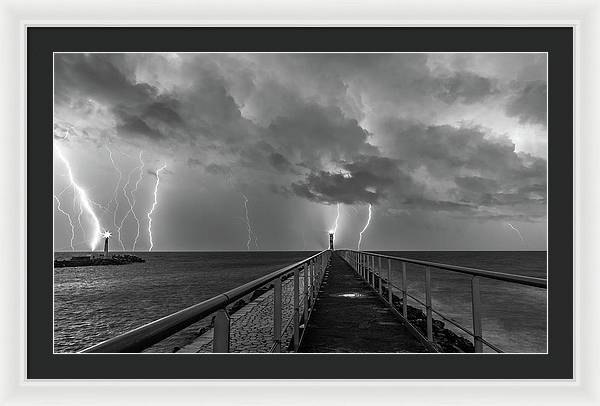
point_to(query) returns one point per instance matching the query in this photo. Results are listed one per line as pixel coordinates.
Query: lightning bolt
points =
(115, 197)
(364, 229)
(68, 218)
(129, 200)
(250, 231)
(79, 218)
(517, 231)
(334, 229)
(141, 167)
(83, 199)
(154, 206)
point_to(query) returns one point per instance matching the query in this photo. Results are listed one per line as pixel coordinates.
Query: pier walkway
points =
(349, 316)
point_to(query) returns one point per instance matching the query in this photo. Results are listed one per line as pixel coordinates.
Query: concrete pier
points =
(350, 317)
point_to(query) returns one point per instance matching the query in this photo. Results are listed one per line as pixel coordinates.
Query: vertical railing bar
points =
(310, 282)
(476, 308)
(390, 297)
(315, 274)
(277, 314)
(369, 261)
(428, 303)
(370, 269)
(296, 309)
(373, 272)
(379, 272)
(404, 292)
(361, 265)
(305, 268)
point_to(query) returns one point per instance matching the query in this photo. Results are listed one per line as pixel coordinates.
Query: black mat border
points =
(42, 364)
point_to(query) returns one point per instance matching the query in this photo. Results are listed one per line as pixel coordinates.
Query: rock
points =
(444, 340)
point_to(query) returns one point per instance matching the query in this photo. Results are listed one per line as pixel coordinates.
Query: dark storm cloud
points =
(102, 76)
(466, 87)
(280, 162)
(217, 169)
(365, 180)
(129, 125)
(425, 204)
(529, 104)
(444, 149)
(165, 111)
(475, 183)
(499, 175)
(313, 134)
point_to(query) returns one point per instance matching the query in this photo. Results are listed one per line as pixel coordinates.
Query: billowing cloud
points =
(364, 180)
(467, 87)
(529, 104)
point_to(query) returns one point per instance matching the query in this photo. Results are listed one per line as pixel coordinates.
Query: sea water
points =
(92, 304)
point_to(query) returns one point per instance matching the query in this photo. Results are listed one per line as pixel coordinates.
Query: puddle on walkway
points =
(353, 295)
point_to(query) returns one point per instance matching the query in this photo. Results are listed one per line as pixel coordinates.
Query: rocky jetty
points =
(445, 340)
(97, 261)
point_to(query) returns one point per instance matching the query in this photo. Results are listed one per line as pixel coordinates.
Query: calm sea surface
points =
(92, 304)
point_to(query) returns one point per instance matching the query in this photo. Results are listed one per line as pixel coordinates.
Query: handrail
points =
(501, 276)
(151, 333)
(363, 263)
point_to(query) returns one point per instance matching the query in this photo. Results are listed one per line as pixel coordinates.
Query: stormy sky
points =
(449, 150)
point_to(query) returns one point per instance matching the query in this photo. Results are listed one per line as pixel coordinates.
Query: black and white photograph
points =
(326, 202)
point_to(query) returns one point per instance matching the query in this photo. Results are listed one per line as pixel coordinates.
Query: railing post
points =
(221, 331)
(311, 276)
(428, 303)
(390, 297)
(373, 272)
(305, 266)
(476, 307)
(404, 292)
(360, 265)
(380, 288)
(296, 309)
(364, 266)
(360, 268)
(277, 314)
(370, 270)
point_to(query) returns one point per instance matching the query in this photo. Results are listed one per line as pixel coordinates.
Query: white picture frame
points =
(584, 16)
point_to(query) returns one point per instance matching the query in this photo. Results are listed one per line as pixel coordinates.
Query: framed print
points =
(184, 179)
(300, 203)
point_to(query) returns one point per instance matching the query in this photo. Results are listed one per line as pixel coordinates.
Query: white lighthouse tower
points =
(106, 236)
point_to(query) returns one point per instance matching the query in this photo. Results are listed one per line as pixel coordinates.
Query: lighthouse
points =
(331, 241)
(106, 236)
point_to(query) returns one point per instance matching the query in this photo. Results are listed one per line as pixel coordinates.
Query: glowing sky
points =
(447, 148)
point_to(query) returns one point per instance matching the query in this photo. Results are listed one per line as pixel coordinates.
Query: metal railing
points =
(311, 269)
(365, 264)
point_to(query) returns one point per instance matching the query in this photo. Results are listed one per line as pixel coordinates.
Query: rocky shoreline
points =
(444, 339)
